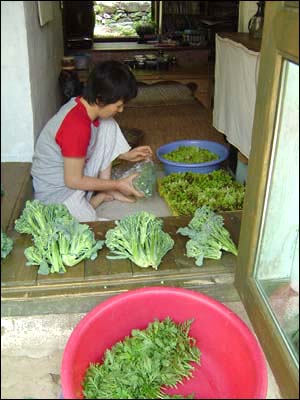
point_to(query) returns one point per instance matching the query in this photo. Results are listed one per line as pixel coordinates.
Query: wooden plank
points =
(73, 274)
(77, 301)
(102, 267)
(229, 260)
(14, 272)
(119, 275)
(232, 222)
(16, 182)
(183, 263)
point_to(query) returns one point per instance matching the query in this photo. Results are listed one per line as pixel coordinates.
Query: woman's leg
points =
(112, 140)
(107, 144)
(80, 207)
(113, 194)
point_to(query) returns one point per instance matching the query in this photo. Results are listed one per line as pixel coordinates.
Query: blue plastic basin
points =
(201, 168)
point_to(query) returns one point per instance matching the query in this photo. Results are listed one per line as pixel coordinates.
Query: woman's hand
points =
(139, 153)
(125, 186)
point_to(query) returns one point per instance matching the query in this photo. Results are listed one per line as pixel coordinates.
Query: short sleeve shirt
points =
(67, 134)
(74, 133)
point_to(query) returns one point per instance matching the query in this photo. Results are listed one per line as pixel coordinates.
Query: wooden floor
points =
(16, 182)
(163, 124)
(24, 292)
(91, 281)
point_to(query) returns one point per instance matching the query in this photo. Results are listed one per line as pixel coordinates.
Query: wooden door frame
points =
(280, 41)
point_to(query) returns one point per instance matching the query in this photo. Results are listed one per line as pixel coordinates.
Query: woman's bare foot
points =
(100, 198)
(121, 197)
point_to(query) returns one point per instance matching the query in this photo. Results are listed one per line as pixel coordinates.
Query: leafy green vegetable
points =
(6, 245)
(59, 239)
(208, 236)
(190, 155)
(76, 242)
(143, 364)
(185, 192)
(140, 238)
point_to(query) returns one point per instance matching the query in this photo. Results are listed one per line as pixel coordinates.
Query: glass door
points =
(267, 274)
(276, 270)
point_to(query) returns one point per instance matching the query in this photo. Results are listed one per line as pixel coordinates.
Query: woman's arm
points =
(139, 153)
(74, 179)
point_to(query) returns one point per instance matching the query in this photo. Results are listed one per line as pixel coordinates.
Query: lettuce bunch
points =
(187, 191)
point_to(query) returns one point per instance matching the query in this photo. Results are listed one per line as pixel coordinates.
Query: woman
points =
(74, 152)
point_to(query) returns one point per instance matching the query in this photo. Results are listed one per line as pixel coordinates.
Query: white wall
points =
(16, 107)
(30, 67)
(45, 49)
(246, 10)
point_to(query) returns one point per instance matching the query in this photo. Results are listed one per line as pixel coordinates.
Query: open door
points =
(267, 274)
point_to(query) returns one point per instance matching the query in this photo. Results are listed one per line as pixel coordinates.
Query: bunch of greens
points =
(140, 238)
(190, 155)
(6, 244)
(185, 192)
(208, 236)
(139, 366)
(146, 179)
(59, 239)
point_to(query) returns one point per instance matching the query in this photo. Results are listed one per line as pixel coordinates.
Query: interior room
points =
(212, 75)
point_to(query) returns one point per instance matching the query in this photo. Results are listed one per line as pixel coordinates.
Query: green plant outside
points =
(114, 21)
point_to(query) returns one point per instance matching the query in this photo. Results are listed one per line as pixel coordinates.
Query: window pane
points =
(115, 19)
(277, 263)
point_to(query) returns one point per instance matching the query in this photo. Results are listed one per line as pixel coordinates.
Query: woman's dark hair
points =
(109, 82)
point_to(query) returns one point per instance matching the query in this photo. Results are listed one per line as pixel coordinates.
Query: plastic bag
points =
(146, 180)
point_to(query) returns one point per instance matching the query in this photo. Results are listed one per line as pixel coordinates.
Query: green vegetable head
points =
(59, 239)
(140, 238)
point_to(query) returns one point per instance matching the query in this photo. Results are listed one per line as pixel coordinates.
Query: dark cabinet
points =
(78, 23)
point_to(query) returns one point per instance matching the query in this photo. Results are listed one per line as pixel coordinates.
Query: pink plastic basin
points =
(232, 362)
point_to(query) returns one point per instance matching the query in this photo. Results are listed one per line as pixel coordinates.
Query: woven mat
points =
(163, 94)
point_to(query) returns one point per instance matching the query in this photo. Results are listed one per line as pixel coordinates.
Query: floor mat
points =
(162, 94)
(167, 123)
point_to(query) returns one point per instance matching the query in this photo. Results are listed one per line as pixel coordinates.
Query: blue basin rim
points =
(214, 147)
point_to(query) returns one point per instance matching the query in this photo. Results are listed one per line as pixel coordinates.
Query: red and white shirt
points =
(71, 133)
